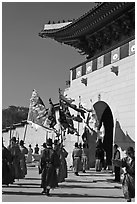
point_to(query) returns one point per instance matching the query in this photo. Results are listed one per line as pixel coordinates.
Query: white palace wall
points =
(118, 91)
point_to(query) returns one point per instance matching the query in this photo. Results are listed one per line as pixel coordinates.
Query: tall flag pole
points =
(78, 116)
(25, 131)
(68, 102)
(59, 114)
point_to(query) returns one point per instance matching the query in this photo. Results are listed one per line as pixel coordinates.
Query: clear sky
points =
(30, 62)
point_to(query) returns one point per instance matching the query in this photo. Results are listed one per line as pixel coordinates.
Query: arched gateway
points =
(105, 117)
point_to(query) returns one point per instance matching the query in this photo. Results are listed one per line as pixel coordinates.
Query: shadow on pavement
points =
(83, 196)
(21, 193)
(89, 187)
(32, 178)
(28, 184)
(95, 175)
(21, 186)
(76, 181)
(92, 181)
(62, 195)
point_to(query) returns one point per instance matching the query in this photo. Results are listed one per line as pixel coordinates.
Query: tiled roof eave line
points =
(54, 32)
(75, 22)
(85, 28)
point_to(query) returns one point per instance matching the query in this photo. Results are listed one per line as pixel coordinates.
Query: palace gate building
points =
(106, 36)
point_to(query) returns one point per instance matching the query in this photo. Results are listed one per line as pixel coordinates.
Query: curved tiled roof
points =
(93, 21)
(66, 25)
(96, 14)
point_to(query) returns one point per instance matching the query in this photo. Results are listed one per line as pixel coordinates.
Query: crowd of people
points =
(53, 166)
(13, 161)
(122, 167)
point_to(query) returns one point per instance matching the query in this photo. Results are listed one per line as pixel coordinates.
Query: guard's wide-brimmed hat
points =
(44, 144)
(21, 142)
(76, 144)
(49, 142)
(13, 139)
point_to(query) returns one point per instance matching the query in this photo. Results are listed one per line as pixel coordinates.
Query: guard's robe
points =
(128, 182)
(23, 166)
(16, 156)
(76, 155)
(49, 163)
(62, 173)
(7, 176)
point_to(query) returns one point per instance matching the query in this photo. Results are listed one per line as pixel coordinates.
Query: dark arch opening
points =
(104, 115)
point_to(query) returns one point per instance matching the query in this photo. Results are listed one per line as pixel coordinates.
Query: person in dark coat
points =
(99, 155)
(36, 149)
(7, 175)
(85, 153)
(16, 156)
(76, 156)
(128, 183)
(116, 168)
(49, 163)
(62, 153)
(24, 151)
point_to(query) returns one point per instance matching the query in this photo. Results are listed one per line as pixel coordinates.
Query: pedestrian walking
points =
(16, 156)
(49, 163)
(62, 154)
(39, 165)
(80, 163)
(84, 159)
(128, 183)
(116, 168)
(76, 156)
(24, 151)
(99, 155)
(7, 174)
(36, 149)
(29, 157)
(63, 164)
(58, 170)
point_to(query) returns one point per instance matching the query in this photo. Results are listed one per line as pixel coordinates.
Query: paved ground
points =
(88, 187)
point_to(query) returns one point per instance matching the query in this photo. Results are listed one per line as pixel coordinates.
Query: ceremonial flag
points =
(66, 119)
(38, 114)
(68, 102)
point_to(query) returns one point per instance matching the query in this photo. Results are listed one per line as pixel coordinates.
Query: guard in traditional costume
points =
(16, 156)
(62, 153)
(24, 151)
(36, 149)
(7, 173)
(80, 163)
(128, 183)
(30, 157)
(49, 163)
(99, 155)
(84, 159)
(116, 168)
(76, 156)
